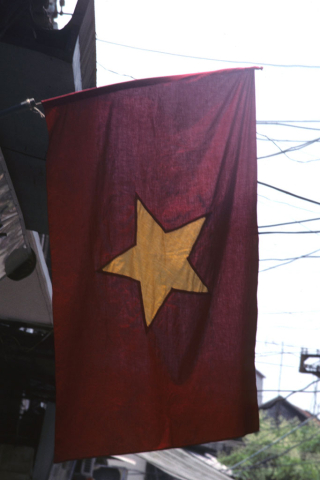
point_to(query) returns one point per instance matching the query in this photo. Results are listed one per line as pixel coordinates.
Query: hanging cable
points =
(277, 440)
(277, 455)
(276, 145)
(302, 389)
(286, 121)
(206, 58)
(284, 391)
(22, 153)
(289, 261)
(287, 124)
(266, 447)
(286, 203)
(116, 73)
(275, 365)
(289, 223)
(279, 140)
(303, 144)
(288, 193)
(291, 149)
(294, 233)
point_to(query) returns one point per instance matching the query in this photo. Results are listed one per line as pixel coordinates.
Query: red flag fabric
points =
(152, 213)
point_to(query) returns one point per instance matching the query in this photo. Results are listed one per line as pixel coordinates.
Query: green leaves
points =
(296, 456)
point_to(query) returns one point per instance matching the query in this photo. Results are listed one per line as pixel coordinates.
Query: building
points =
(279, 407)
(259, 383)
(39, 62)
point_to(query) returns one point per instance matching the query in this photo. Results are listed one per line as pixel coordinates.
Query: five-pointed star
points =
(159, 261)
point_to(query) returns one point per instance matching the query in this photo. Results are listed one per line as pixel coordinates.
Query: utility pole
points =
(307, 368)
(280, 373)
(279, 389)
(314, 369)
(315, 399)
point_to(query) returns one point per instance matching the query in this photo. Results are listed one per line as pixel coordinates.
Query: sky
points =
(283, 37)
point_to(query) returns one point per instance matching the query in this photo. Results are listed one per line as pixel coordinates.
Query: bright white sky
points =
(282, 32)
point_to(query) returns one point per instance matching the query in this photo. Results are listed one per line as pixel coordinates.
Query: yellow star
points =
(159, 261)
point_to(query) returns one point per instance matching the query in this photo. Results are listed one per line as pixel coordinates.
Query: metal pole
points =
(28, 104)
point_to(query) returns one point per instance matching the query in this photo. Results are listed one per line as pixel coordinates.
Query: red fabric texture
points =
(186, 147)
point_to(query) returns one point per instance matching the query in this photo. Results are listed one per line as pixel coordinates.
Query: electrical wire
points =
(3, 147)
(285, 203)
(275, 364)
(287, 313)
(274, 142)
(205, 58)
(275, 343)
(289, 261)
(301, 222)
(294, 328)
(282, 259)
(277, 440)
(116, 73)
(302, 389)
(287, 121)
(298, 461)
(289, 223)
(268, 139)
(294, 391)
(286, 124)
(303, 144)
(289, 193)
(41, 341)
(268, 354)
(266, 447)
(295, 233)
(291, 149)
(277, 455)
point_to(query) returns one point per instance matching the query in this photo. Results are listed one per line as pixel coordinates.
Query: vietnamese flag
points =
(152, 213)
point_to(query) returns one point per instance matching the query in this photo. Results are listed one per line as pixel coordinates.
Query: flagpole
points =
(28, 104)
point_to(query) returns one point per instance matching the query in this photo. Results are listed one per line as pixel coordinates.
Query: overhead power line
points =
(288, 193)
(295, 233)
(275, 364)
(206, 58)
(302, 390)
(289, 261)
(289, 223)
(277, 440)
(275, 343)
(116, 73)
(286, 203)
(292, 391)
(291, 149)
(298, 461)
(275, 144)
(279, 140)
(277, 455)
(287, 313)
(286, 124)
(266, 447)
(287, 121)
(303, 144)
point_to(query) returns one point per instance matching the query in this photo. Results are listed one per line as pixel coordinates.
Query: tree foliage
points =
(295, 457)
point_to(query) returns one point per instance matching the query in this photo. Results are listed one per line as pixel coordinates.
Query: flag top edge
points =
(145, 82)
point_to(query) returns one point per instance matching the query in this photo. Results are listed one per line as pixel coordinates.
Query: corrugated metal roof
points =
(183, 465)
